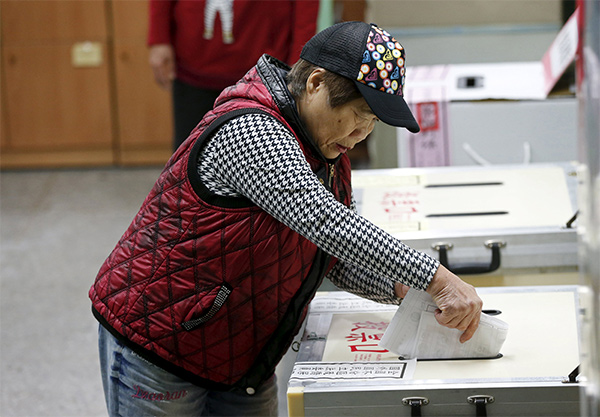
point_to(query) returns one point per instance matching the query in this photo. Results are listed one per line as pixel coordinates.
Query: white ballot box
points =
(479, 220)
(341, 370)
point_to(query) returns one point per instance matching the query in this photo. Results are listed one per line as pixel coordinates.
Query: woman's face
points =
(335, 130)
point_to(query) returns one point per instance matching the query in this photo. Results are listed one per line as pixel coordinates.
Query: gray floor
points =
(56, 228)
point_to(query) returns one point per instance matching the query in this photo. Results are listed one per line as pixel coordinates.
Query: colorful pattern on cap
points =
(383, 63)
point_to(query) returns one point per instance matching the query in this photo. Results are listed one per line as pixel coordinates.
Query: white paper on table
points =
(415, 333)
(305, 373)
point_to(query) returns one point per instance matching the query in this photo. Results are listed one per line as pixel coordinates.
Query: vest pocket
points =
(208, 306)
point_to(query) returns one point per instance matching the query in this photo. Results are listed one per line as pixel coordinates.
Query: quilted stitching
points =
(159, 286)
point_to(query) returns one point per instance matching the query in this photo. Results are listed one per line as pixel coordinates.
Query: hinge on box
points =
(480, 402)
(415, 404)
(572, 377)
(569, 224)
(315, 336)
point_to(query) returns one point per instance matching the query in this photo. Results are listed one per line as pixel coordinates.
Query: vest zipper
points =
(331, 174)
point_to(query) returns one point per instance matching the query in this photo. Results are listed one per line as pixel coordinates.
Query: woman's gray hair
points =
(341, 89)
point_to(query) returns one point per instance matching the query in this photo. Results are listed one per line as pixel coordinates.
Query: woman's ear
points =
(315, 81)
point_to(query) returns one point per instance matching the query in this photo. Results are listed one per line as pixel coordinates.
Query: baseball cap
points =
(373, 59)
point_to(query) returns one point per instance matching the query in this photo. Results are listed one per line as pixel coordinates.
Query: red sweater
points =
(275, 27)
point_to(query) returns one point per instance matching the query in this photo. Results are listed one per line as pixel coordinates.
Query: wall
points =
(439, 13)
(77, 89)
(55, 113)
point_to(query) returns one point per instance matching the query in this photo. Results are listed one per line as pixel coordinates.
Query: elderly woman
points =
(205, 291)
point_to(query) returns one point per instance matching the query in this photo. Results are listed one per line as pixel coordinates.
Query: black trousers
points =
(190, 104)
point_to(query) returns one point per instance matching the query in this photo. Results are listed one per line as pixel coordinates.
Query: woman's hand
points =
(400, 290)
(459, 306)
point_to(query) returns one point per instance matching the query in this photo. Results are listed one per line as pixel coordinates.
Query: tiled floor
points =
(56, 228)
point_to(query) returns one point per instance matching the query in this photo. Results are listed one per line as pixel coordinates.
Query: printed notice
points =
(349, 304)
(352, 371)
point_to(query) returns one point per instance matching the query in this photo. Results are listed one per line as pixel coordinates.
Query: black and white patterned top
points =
(255, 156)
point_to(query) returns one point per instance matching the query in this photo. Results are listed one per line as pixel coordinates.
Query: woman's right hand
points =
(459, 306)
(162, 62)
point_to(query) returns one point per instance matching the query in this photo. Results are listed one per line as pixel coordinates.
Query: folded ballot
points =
(415, 333)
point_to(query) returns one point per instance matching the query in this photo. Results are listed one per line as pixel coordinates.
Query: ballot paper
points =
(415, 333)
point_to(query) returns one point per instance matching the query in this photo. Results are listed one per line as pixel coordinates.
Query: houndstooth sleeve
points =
(363, 282)
(257, 157)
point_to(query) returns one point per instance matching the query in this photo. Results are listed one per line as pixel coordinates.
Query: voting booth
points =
(341, 369)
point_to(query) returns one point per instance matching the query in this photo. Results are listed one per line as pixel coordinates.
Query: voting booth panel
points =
(341, 370)
(588, 71)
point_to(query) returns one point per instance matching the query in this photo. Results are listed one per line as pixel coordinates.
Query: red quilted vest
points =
(213, 288)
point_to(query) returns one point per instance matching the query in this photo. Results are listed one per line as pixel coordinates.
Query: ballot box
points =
(340, 369)
(479, 219)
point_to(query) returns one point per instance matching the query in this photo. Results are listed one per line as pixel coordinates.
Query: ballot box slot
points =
(476, 213)
(464, 184)
(467, 268)
(498, 356)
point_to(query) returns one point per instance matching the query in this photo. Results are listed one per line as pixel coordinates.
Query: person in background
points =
(204, 293)
(197, 48)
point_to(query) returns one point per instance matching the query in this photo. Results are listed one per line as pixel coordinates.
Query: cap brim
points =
(389, 108)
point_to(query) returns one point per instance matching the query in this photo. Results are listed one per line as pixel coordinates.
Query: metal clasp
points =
(415, 401)
(491, 243)
(480, 398)
(415, 404)
(480, 402)
(441, 245)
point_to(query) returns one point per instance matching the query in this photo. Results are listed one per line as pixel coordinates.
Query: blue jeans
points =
(135, 387)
